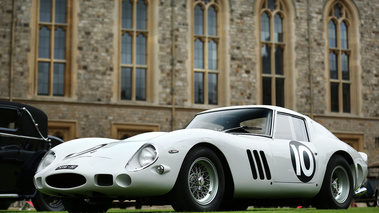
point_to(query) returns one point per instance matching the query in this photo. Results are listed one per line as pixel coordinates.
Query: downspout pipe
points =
(11, 51)
(173, 61)
(309, 19)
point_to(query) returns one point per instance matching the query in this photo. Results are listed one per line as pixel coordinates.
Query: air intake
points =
(66, 181)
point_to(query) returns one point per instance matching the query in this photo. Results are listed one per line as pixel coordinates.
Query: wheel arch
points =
(350, 161)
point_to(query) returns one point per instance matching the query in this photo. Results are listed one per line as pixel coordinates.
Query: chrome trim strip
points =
(35, 124)
(20, 136)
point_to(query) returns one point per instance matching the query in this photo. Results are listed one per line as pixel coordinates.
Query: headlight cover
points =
(46, 160)
(143, 158)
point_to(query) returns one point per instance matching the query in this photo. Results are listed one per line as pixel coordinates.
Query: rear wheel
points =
(201, 182)
(75, 205)
(337, 187)
(377, 198)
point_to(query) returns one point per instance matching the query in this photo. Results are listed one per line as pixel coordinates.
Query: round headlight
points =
(46, 160)
(147, 155)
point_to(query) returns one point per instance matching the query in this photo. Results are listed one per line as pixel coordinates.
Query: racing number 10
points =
(303, 161)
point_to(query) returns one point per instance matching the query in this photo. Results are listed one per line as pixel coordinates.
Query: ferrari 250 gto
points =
(225, 159)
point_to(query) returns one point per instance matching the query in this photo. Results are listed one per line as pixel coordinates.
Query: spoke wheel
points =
(200, 184)
(203, 181)
(340, 184)
(337, 188)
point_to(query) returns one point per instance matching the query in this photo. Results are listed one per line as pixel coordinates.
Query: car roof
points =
(274, 108)
(27, 125)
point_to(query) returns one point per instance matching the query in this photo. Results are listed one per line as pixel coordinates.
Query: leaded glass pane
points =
(43, 78)
(278, 28)
(140, 84)
(199, 20)
(266, 91)
(279, 65)
(346, 98)
(60, 11)
(59, 44)
(345, 66)
(44, 43)
(271, 4)
(266, 59)
(126, 49)
(337, 11)
(265, 27)
(279, 91)
(344, 38)
(212, 88)
(212, 21)
(45, 11)
(141, 15)
(126, 83)
(199, 54)
(334, 97)
(127, 14)
(58, 79)
(199, 88)
(212, 55)
(333, 65)
(332, 34)
(141, 49)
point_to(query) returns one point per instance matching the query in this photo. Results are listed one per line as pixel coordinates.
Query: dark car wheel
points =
(74, 205)
(4, 204)
(377, 198)
(337, 187)
(201, 182)
(42, 202)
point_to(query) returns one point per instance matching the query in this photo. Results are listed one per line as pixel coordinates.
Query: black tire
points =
(4, 204)
(377, 198)
(201, 182)
(337, 188)
(75, 205)
(42, 202)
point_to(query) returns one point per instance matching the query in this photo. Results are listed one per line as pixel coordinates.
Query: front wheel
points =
(42, 202)
(75, 205)
(201, 182)
(337, 188)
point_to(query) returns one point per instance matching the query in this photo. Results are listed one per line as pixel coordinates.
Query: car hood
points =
(102, 147)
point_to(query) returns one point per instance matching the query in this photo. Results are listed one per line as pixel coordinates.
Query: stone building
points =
(116, 68)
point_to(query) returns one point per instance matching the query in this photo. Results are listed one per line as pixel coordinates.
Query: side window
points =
(8, 119)
(300, 129)
(290, 128)
(283, 127)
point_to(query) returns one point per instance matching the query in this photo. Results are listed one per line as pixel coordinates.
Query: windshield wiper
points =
(243, 129)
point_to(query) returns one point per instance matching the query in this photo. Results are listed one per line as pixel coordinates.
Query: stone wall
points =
(93, 100)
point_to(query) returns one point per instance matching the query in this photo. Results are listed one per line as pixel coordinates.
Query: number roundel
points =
(303, 161)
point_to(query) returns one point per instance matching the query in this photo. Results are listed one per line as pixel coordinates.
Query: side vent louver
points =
(259, 165)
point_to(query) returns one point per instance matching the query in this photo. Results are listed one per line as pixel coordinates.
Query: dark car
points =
(23, 143)
(371, 198)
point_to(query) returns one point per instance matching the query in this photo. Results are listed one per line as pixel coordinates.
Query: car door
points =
(10, 164)
(295, 157)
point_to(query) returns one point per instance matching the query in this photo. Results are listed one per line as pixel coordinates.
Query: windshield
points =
(250, 121)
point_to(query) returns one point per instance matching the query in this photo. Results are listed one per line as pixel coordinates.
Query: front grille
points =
(65, 181)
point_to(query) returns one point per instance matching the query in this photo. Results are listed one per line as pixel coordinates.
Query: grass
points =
(250, 210)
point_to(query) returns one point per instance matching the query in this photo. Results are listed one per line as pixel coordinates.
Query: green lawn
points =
(251, 210)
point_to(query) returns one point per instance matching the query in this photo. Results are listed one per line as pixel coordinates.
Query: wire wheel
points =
(340, 184)
(203, 181)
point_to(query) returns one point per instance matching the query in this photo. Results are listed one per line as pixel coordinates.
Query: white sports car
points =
(225, 159)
